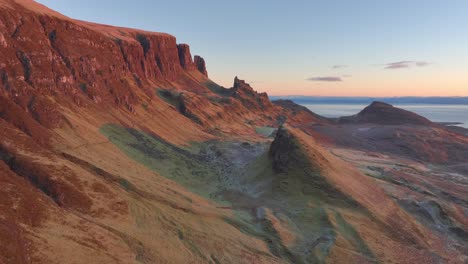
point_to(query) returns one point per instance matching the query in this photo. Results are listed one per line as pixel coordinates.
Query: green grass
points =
(300, 191)
(311, 222)
(170, 97)
(300, 194)
(180, 234)
(348, 231)
(178, 164)
(265, 131)
(219, 100)
(317, 229)
(126, 185)
(217, 89)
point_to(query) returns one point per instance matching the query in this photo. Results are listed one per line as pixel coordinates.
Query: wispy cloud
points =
(325, 79)
(405, 64)
(339, 66)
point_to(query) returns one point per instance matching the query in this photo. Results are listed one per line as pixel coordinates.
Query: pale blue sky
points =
(279, 45)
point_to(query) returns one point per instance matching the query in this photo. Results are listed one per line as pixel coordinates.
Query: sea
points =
(433, 112)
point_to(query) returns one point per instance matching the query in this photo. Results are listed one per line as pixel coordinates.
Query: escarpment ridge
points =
(46, 53)
(116, 147)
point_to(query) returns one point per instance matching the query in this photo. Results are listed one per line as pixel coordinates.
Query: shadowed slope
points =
(306, 167)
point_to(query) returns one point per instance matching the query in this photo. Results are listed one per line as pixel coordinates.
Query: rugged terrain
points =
(116, 147)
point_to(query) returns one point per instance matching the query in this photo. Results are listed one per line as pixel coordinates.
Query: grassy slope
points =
(179, 164)
(203, 169)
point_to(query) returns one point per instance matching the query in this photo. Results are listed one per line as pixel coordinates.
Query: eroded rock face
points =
(283, 150)
(249, 97)
(3, 42)
(201, 66)
(186, 57)
(18, 117)
(52, 55)
(47, 60)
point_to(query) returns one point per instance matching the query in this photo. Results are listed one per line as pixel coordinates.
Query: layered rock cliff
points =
(49, 61)
(201, 66)
(49, 55)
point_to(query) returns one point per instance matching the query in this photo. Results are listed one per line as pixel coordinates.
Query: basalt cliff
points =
(116, 147)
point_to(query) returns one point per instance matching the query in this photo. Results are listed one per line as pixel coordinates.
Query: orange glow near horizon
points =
(389, 89)
(376, 84)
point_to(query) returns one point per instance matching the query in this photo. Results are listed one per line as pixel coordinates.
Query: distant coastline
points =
(367, 100)
(448, 111)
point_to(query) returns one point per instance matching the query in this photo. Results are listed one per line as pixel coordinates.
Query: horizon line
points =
(366, 96)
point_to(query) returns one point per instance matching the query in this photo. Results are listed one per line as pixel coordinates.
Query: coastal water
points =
(433, 112)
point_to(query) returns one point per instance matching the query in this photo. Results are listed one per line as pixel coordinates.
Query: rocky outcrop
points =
(284, 150)
(298, 114)
(201, 66)
(304, 168)
(48, 61)
(386, 114)
(249, 97)
(22, 120)
(186, 57)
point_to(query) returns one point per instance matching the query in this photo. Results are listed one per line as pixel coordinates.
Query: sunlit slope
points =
(304, 204)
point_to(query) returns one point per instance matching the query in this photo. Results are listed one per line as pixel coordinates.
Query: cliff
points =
(44, 53)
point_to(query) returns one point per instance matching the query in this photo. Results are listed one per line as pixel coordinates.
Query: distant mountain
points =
(367, 100)
(386, 114)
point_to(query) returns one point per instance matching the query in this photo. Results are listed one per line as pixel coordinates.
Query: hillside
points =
(116, 147)
(386, 114)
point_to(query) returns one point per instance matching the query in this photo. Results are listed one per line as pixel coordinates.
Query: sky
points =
(307, 47)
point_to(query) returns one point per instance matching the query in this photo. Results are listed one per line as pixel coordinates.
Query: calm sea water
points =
(435, 113)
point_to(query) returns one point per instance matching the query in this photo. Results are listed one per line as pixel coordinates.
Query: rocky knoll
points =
(389, 129)
(386, 114)
(303, 168)
(299, 112)
(249, 97)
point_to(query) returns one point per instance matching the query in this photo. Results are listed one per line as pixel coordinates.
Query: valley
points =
(116, 147)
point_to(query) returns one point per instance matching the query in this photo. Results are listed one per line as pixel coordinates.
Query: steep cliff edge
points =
(50, 62)
(44, 53)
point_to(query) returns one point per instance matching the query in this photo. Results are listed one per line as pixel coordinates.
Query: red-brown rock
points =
(185, 57)
(201, 66)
